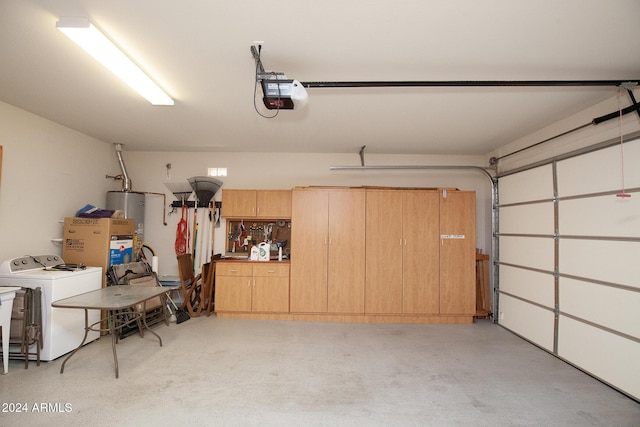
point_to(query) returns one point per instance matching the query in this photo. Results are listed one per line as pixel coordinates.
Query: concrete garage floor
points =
(228, 372)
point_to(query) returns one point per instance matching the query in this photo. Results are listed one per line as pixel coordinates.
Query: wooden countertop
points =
(284, 261)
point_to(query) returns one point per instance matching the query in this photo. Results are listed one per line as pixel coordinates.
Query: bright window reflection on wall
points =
(217, 171)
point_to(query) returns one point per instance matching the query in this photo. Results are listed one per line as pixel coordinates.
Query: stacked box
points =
(98, 242)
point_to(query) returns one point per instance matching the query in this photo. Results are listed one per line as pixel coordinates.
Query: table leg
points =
(144, 322)
(86, 332)
(112, 331)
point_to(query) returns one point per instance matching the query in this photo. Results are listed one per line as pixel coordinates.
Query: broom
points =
(178, 315)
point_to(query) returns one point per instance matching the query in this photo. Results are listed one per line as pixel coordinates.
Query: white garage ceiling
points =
(199, 51)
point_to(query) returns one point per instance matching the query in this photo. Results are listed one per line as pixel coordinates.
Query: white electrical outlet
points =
(502, 315)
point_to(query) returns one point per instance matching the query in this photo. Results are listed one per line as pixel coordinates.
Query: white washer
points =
(62, 329)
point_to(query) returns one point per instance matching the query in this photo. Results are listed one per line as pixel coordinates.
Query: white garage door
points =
(569, 261)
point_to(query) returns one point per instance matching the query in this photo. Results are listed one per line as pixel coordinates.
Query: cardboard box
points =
(90, 241)
(98, 242)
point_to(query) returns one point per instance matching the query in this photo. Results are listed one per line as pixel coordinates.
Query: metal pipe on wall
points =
(126, 182)
(415, 167)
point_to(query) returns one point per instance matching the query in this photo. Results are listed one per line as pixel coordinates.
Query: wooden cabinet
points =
(233, 286)
(270, 291)
(309, 225)
(275, 204)
(421, 252)
(457, 253)
(252, 287)
(383, 252)
(362, 254)
(328, 240)
(402, 254)
(346, 257)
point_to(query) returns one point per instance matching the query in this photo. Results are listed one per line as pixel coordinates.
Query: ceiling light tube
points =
(96, 44)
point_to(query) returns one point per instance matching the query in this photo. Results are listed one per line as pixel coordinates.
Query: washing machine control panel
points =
(38, 262)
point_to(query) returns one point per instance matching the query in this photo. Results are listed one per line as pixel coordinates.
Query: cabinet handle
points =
(233, 271)
(271, 271)
(249, 283)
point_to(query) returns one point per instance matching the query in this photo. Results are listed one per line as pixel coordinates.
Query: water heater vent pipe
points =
(126, 182)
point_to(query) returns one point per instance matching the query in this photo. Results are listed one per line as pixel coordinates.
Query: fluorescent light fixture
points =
(96, 44)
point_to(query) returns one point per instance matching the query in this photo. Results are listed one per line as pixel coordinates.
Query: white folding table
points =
(114, 299)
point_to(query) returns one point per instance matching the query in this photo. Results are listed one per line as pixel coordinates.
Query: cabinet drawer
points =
(233, 269)
(271, 270)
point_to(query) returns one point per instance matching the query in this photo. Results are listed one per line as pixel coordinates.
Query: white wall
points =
(48, 172)
(285, 170)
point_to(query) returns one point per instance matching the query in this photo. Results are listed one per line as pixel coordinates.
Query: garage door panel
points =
(528, 285)
(608, 261)
(533, 252)
(576, 294)
(613, 308)
(532, 322)
(609, 216)
(608, 356)
(599, 171)
(539, 219)
(534, 184)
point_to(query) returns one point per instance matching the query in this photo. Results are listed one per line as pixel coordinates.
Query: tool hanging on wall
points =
(189, 237)
(217, 213)
(182, 233)
(205, 188)
(205, 230)
(195, 234)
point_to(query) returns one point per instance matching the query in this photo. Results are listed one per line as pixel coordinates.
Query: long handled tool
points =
(179, 315)
(195, 233)
(209, 252)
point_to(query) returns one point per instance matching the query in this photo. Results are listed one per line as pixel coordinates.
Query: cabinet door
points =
(233, 293)
(270, 294)
(384, 243)
(421, 254)
(457, 252)
(309, 226)
(346, 257)
(273, 204)
(270, 287)
(238, 203)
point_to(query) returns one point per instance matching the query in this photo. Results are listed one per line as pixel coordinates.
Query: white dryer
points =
(62, 328)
